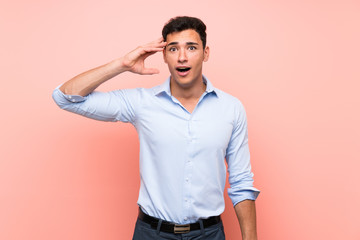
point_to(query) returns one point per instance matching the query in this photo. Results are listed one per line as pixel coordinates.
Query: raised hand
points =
(134, 60)
(86, 82)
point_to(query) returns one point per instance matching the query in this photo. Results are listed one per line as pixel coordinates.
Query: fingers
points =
(147, 51)
(148, 54)
(154, 46)
(134, 60)
(158, 43)
(152, 49)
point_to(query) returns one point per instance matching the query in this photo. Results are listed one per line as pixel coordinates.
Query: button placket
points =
(188, 171)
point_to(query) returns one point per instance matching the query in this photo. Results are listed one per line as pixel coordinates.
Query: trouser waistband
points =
(177, 228)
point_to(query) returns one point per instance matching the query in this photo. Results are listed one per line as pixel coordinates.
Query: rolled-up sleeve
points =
(119, 105)
(238, 160)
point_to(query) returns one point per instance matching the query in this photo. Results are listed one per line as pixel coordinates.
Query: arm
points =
(85, 83)
(246, 214)
(242, 192)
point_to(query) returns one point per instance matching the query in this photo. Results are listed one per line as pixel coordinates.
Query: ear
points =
(164, 55)
(206, 53)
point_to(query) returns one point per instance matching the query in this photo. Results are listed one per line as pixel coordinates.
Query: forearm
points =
(87, 82)
(246, 214)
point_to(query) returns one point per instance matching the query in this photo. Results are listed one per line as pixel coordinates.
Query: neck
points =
(193, 91)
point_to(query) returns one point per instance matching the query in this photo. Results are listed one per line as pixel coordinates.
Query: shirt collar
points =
(165, 87)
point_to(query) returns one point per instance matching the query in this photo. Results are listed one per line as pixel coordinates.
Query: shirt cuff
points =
(245, 195)
(70, 98)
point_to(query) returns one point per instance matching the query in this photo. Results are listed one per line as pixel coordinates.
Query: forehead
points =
(185, 36)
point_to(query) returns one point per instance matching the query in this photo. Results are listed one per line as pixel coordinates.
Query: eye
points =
(172, 49)
(192, 47)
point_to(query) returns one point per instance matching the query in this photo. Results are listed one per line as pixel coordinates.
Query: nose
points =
(182, 56)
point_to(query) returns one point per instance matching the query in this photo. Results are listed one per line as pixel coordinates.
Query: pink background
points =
(293, 64)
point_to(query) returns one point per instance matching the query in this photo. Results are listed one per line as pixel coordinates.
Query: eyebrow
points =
(187, 43)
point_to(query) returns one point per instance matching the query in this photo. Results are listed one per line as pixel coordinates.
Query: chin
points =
(184, 82)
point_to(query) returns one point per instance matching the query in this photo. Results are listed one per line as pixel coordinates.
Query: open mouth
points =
(183, 71)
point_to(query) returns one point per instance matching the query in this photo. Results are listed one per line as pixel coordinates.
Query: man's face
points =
(184, 54)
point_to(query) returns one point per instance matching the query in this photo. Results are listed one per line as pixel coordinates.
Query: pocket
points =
(143, 231)
(215, 232)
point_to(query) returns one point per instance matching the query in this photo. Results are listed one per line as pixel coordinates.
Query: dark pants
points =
(143, 231)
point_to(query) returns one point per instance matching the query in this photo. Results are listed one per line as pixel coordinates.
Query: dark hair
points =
(182, 23)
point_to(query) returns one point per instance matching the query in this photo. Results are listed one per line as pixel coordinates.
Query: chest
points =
(167, 124)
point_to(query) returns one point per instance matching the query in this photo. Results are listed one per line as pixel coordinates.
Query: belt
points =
(177, 228)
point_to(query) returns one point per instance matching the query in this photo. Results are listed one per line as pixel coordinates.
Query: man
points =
(186, 129)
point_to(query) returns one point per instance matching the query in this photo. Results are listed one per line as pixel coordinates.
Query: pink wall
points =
(294, 65)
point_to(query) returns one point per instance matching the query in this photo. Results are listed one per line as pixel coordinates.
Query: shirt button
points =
(185, 218)
(70, 97)
(187, 179)
(73, 100)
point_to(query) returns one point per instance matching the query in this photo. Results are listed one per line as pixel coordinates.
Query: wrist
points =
(250, 238)
(117, 66)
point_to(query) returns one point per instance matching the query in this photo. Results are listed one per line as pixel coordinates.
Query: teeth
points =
(183, 69)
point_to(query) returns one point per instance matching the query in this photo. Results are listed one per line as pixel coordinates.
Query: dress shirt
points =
(182, 154)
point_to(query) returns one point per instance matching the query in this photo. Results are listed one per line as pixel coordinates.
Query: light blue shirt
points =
(182, 154)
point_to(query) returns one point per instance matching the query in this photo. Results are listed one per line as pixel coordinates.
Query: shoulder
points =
(232, 107)
(147, 91)
(229, 100)
(132, 92)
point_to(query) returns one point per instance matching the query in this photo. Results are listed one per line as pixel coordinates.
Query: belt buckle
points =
(182, 228)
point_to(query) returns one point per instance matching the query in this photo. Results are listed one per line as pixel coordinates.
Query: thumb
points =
(149, 71)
